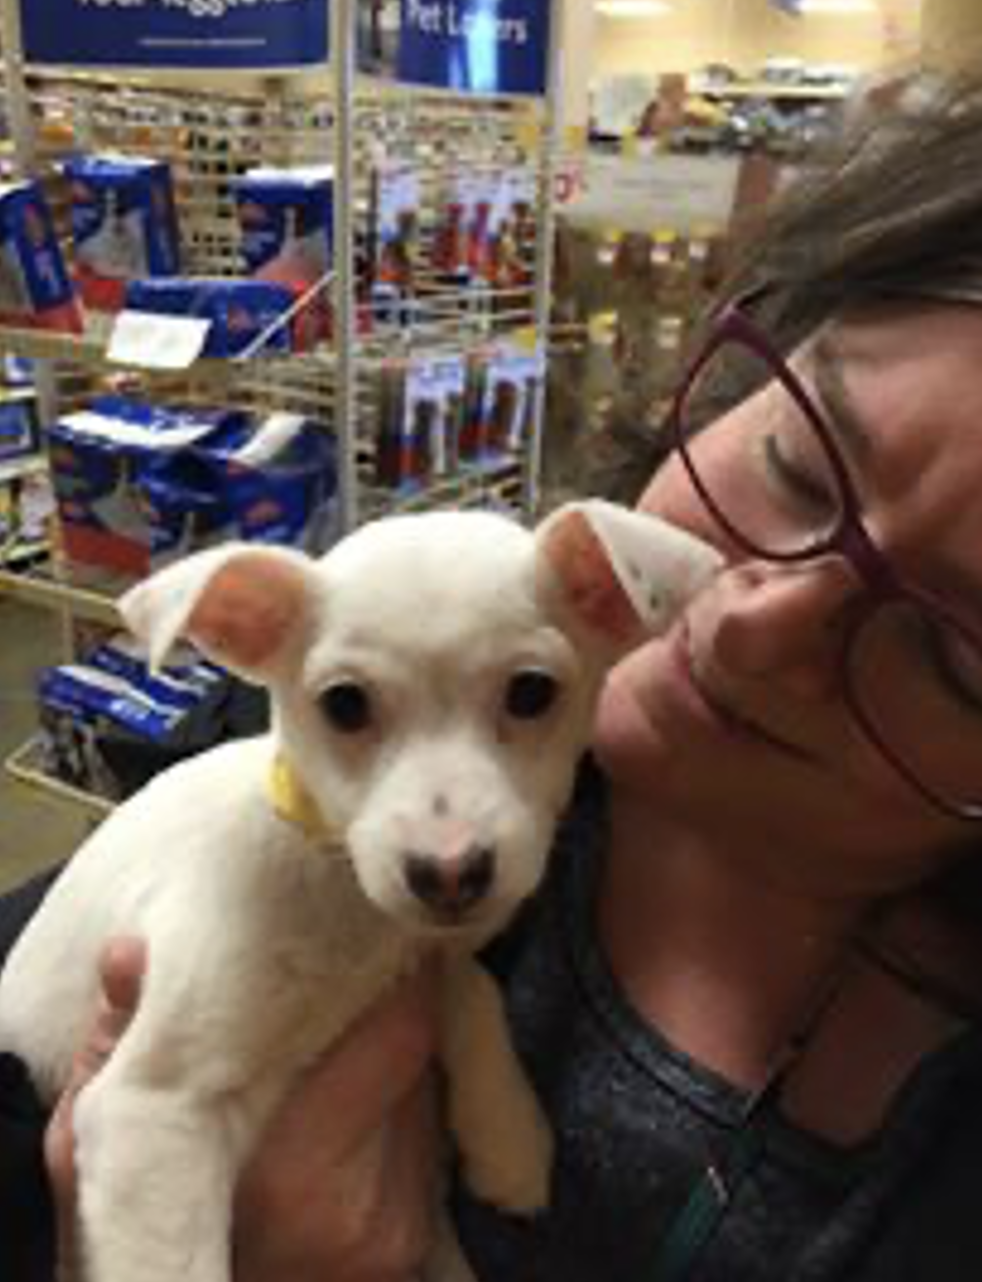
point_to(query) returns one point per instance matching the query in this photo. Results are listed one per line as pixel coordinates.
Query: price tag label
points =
(157, 342)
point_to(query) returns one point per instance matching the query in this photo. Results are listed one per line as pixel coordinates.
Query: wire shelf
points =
(25, 766)
(214, 130)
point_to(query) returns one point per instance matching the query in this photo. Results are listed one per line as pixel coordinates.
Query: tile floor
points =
(34, 832)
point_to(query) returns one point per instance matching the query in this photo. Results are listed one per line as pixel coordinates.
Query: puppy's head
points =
(433, 680)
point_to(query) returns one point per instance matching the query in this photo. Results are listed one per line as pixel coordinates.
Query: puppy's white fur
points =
(267, 939)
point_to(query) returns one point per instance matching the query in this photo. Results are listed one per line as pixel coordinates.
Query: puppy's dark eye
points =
(347, 707)
(531, 694)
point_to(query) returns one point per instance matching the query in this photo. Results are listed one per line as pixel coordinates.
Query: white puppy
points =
(433, 682)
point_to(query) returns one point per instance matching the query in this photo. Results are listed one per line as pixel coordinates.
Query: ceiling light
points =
(632, 8)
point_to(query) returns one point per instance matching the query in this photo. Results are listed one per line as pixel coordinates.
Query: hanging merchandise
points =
(232, 34)
(512, 381)
(395, 241)
(476, 46)
(421, 421)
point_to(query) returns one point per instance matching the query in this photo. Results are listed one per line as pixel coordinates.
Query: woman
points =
(750, 992)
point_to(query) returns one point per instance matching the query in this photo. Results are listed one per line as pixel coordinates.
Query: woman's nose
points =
(784, 621)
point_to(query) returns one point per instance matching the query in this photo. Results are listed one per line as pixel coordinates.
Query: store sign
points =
(228, 34)
(475, 46)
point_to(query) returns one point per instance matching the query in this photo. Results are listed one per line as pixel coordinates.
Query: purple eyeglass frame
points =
(848, 539)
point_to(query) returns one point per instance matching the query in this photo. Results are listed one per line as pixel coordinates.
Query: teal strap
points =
(696, 1224)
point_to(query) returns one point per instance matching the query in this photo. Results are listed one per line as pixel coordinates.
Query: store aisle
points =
(33, 832)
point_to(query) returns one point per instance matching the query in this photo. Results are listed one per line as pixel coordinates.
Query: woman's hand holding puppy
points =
(343, 1182)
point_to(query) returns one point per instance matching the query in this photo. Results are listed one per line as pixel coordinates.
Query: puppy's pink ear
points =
(621, 575)
(243, 606)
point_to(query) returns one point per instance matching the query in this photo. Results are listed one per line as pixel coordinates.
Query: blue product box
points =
(124, 225)
(185, 506)
(279, 479)
(101, 459)
(80, 705)
(272, 482)
(18, 428)
(180, 684)
(240, 311)
(35, 288)
(286, 217)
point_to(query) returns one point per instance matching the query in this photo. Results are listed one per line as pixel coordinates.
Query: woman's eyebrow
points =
(835, 400)
(824, 360)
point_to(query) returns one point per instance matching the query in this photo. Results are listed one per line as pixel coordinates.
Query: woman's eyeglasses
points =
(910, 671)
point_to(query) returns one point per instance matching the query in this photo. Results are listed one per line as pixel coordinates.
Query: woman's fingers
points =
(411, 1192)
(121, 969)
(342, 1182)
(378, 1061)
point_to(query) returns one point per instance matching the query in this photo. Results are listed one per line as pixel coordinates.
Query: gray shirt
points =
(637, 1122)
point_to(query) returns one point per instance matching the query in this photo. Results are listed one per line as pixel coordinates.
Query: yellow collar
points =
(293, 803)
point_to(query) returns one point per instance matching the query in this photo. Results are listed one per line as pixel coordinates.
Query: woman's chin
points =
(627, 744)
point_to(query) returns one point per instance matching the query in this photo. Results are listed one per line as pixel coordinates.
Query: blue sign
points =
(227, 34)
(475, 46)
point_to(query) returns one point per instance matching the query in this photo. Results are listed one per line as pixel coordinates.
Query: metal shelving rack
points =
(209, 134)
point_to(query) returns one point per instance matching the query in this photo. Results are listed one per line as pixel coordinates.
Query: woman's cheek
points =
(670, 495)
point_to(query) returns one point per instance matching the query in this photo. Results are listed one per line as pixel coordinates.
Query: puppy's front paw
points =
(514, 1172)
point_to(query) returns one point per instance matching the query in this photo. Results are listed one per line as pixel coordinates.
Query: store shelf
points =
(90, 350)
(24, 766)
(11, 395)
(496, 481)
(15, 469)
(18, 555)
(770, 89)
(88, 594)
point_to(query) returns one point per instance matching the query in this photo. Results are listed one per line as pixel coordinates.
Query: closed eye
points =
(958, 664)
(805, 482)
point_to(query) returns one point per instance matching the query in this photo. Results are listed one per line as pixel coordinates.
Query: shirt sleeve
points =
(27, 1236)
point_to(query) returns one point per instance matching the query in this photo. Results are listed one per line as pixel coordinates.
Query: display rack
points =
(776, 91)
(210, 134)
(25, 767)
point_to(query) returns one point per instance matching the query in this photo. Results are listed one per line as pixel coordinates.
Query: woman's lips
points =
(719, 712)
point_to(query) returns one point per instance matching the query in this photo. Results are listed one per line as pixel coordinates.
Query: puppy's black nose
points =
(450, 886)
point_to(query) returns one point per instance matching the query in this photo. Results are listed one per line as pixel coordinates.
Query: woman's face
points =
(737, 719)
